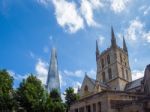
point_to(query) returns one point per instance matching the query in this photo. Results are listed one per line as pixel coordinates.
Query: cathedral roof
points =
(94, 82)
(133, 84)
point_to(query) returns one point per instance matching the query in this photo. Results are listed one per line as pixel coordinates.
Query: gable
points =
(87, 86)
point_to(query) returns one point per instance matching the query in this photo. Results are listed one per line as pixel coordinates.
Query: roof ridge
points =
(136, 79)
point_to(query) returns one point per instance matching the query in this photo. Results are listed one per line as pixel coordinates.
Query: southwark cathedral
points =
(113, 89)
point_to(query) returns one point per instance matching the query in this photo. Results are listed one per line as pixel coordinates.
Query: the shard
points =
(53, 81)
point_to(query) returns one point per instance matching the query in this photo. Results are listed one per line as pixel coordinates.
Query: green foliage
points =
(6, 91)
(70, 97)
(57, 105)
(31, 95)
(55, 95)
(6, 82)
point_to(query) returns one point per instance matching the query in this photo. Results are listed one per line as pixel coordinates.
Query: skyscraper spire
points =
(97, 50)
(53, 75)
(124, 45)
(113, 38)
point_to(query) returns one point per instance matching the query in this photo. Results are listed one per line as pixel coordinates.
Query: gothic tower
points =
(113, 65)
(53, 75)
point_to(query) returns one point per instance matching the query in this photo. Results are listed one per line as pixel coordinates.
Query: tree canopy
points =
(70, 97)
(31, 94)
(55, 95)
(6, 91)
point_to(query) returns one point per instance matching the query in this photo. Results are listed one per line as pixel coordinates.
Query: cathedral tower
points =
(113, 65)
(53, 75)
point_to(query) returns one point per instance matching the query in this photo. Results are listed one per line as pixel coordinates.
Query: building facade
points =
(113, 89)
(53, 81)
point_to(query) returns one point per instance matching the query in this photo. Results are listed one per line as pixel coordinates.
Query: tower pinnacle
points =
(97, 50)
(113, 38)
(124, 45)
(53, 75)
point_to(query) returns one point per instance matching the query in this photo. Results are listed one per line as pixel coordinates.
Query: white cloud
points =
(41, 70)
(72, 18)
(100, 40)
(135, 28)
(76, 86)
(44, 2)
(136, 31)
(78, 73)
(92, 73)
(119, 5)
(67, 15)
(136, 74)
(31, 54)
(17, 76)
(62, 81)
(96, 4)
(146, 36)
(87, 7)
(142, 7)
(147, 10)
(73, 78)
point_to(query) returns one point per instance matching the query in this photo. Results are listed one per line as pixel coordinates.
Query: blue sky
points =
(29, 29)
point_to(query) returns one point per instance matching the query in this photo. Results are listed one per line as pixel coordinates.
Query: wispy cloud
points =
(136, 74)
(31, 54)
(101, 40)
(74, 78)
(135, 28)
(41, 69)
(76, 86)
(16, 76)
(119, 5)
(145, 9)
(78, 73)
(72, 17)
(67, 15)
(136, 31)
(87, 8)
(44, 2)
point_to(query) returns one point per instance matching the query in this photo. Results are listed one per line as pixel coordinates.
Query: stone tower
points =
(113, 65)
(53, 75)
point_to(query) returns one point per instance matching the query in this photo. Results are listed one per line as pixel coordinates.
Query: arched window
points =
(108, 59)
(102, 62)
(86, 88)
(109, 73)
(103, 77)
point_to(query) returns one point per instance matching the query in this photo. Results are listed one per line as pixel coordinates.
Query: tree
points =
(56, 105)
(31, 95)
(70, 97)
(55, 95)
(6, 91)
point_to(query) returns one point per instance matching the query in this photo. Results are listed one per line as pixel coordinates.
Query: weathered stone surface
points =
(116, 92)
(146, 80)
